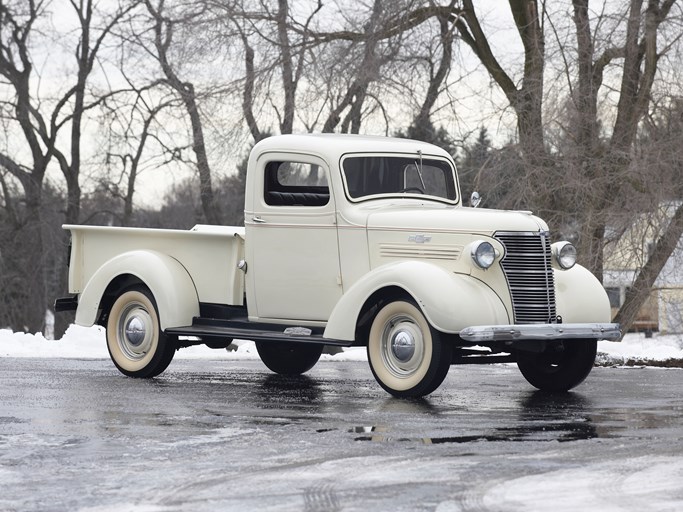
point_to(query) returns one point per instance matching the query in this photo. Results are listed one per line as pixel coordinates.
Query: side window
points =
(295, 184)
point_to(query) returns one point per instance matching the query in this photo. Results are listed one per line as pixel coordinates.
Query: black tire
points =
(407, 356)
(288, 358)
(562, 366)
(136, 344)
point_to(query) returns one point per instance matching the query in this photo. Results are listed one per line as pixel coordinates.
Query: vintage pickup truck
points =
(348, 241)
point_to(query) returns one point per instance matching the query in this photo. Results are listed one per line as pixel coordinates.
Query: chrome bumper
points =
(543, 332)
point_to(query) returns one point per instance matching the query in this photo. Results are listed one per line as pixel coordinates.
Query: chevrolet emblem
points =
(420, 239)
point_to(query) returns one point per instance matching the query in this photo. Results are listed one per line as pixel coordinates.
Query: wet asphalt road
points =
(221, 435)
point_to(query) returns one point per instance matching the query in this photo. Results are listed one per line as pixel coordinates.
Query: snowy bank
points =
(89, 343)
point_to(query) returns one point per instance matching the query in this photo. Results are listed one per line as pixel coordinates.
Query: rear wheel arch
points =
(112, 292)
(173, 288)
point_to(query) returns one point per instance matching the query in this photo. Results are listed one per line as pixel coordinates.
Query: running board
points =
(208, 332)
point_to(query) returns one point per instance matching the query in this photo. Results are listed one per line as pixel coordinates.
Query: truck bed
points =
(209, 253)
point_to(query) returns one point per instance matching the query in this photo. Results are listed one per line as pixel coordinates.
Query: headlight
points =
(565, 254)
(483, 254)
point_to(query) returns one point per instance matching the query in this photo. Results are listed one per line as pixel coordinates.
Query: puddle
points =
(559, 433)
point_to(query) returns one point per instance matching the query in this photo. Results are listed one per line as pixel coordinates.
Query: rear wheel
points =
(561, 366)
(407, 356)
(136, 344)
(288, 358)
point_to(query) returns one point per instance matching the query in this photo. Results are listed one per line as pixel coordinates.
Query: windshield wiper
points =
(419, 169)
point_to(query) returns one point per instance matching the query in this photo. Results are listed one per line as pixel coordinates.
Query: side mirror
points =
(475, 199)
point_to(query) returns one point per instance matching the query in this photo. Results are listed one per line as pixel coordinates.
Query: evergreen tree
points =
(476, 160)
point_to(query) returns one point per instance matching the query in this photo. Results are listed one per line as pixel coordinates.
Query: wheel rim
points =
(135, 331)
(402, 346)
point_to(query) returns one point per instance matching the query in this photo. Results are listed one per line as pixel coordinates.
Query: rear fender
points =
(169, 282)
(449, 301)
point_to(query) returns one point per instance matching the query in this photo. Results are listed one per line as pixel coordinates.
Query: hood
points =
(439, 218)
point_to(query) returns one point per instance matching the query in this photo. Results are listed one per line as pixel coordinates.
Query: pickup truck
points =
(348, 241)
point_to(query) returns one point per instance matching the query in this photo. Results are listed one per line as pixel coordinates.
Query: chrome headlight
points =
(565, 254)
(483, 254)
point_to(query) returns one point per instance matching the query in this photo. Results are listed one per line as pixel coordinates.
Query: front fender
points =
(580, 298)
(169, 282)
(449, 301)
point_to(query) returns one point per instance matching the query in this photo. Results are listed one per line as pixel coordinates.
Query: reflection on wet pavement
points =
(219, 436)
(537, 416)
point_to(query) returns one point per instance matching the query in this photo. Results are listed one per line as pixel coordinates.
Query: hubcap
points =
(135, 331)
(402, 346)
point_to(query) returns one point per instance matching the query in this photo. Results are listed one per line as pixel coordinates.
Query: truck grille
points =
(527, 268)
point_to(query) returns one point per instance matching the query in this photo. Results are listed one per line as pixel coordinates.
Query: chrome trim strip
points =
(547, 332)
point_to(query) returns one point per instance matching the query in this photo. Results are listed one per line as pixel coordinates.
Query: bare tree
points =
(131, 124)
(17, 21)
(638, 57)
(600, 163)
(367, 71)
(527, 98)
(163, 27)
(87, 51)
(660, 151)
(41, 121)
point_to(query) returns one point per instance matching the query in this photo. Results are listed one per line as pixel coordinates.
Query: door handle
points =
(258, 220)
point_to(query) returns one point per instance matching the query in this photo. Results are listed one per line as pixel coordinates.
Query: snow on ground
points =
(89, 343)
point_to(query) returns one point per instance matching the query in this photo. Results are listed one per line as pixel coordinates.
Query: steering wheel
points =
(412, 189)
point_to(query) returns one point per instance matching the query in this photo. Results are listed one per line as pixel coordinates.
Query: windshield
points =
(380, 175)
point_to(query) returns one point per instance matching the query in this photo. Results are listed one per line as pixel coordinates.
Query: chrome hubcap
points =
(135, 331)
(402, 346)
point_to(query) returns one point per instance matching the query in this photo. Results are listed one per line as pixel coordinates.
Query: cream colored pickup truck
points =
(348, 241)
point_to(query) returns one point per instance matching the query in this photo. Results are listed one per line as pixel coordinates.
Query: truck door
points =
(291, 240)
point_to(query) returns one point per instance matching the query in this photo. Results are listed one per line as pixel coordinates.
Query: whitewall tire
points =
(136, 344)
(407, 356)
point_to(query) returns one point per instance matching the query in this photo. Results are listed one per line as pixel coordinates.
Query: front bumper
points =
(542, 332)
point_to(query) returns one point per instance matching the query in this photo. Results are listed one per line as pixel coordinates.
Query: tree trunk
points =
(33, 268)
(206, 195)
(163, 32)
(288, 84)
(642, 286)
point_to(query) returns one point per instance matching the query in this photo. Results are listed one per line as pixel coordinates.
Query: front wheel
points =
(288, 358)
(407, 356)
(561, 366)
(136, 344)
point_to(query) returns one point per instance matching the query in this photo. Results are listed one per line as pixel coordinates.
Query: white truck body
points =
(330, 238)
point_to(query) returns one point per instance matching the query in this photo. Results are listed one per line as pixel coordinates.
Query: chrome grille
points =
(527, 267)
